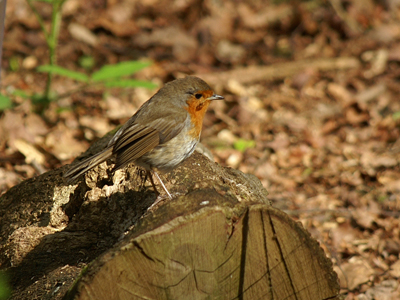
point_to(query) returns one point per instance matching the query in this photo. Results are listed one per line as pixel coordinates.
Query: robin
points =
(161, 134)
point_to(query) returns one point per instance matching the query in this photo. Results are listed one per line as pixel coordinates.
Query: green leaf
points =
(14, 63)
(130, 83)
(5, 102)
(48, 1)
(42, 99)
(20, 93)
(62, 109)
(36, 98)
(64, 72)
(5, 290)
(396, 116)
(87, 62)
(118, 70)
(242, 145)
(307, 172)
(382, 198)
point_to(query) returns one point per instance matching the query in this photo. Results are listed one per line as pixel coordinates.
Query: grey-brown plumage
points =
(161, 134)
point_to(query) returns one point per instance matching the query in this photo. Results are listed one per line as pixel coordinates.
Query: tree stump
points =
(222, 250)
(217, 239)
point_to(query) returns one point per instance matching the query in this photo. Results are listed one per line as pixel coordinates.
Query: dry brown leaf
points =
(354, 273)
(183, 45)
(340, 93)
(7, 180)
(265, 17)
(83, 34)
(395, 269)
(17, 125)
(387, 290)
(365, 217)
(117, 109)
(375, 160)
(62, 143)
(99, 124)
(343, 236)
(30, 152)
(229, 52)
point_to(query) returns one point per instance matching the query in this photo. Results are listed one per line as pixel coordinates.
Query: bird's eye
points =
(198, 96)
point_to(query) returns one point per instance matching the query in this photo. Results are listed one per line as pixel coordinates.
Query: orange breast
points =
(197, 110)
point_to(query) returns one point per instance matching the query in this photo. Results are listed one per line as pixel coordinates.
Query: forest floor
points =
(312, 105)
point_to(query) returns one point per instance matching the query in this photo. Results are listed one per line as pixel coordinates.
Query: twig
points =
(281, 70)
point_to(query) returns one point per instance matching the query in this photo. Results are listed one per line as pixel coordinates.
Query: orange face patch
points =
(197, 109)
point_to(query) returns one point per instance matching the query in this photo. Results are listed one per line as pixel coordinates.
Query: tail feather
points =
(82, 167)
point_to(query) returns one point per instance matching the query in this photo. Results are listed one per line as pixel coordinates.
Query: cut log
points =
(222, 250)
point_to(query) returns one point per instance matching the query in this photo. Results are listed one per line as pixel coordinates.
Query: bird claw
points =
(161, 198)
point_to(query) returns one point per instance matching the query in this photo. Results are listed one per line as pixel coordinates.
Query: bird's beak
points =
(215, 97)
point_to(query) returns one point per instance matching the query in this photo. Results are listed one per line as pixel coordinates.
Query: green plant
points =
(396, 116)
(5, 102)
(51, 35)
(86, 62)
(242, 145)
(5, 290)
(109, 75)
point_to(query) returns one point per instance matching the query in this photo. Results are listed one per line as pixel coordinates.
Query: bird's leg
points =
(148, 175)
(162, 184)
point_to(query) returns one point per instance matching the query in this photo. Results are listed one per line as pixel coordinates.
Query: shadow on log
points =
(217, 239)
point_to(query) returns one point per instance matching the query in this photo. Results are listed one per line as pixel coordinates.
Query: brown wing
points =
(82, 167)
(136, 140)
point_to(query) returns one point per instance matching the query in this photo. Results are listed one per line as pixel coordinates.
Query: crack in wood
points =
(281, 255)
(245, 234)
(271, 294)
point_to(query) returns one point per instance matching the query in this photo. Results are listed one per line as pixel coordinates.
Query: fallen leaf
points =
(30, 152)
(354, 273)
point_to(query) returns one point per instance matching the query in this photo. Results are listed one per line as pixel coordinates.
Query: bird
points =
(163, 132)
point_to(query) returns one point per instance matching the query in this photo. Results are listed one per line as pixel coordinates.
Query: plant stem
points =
(40, 20)
(52, 41)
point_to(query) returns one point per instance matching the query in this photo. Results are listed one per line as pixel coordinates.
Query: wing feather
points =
(136, 140)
